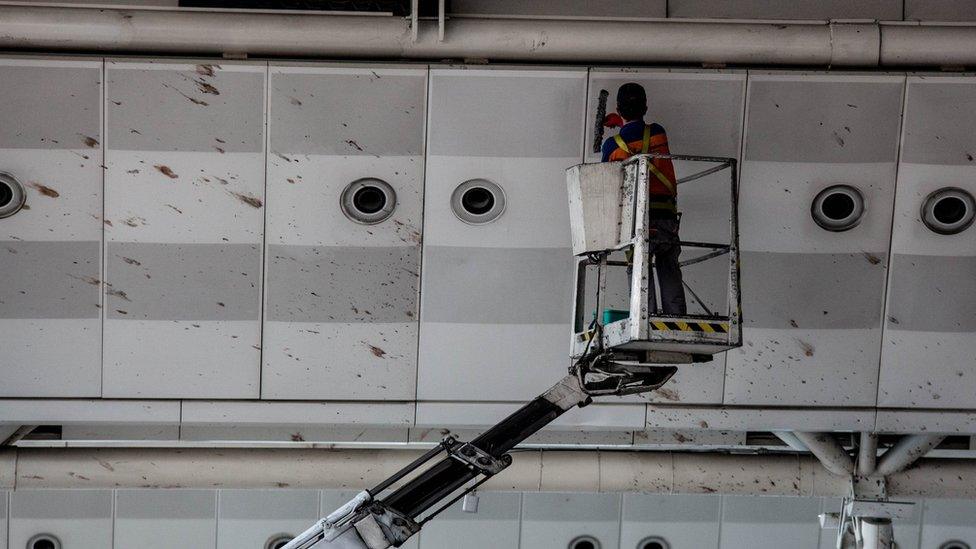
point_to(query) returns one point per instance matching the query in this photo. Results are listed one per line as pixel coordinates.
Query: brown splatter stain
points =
(893, 320)
(221, 303)
(131, 261)
(218, 149)
(295, 101)
(297, 437)
(707, 489)
(871, 258)
(794, 324)
(187, 97)
(377, 352)
(806, 347)
(251, 201)
(703, 424)
(165, 170)
(353, 144)
(134, 221)
(89, 141)
(679, 437)
(668, 394)
(119, 294)
(206, 88)
(105, 465)
(76, 475)
(206, 70)
(282, 484)
(174, 208)
(132, 171)
(44, 189)
(107, 222)
(33, 477)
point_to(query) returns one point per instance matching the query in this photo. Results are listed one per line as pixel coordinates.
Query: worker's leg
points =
(667, 249)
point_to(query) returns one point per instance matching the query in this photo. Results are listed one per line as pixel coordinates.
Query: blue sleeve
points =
(608, 147)
(657, 129)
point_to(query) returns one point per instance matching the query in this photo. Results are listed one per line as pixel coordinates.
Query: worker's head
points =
(631, 101)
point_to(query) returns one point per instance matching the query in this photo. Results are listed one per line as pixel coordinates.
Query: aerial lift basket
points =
(608, 207)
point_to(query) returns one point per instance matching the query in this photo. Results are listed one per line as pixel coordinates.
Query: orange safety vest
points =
(662, 184)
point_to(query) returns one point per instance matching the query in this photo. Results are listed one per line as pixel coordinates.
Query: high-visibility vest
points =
(660, 184)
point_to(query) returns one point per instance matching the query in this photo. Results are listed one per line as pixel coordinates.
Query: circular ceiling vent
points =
(948, 211)
(653, 542)
(584, 542)
(278, 541)
(368, 201)
(954, 544)
(838, 208)
(12, 195)
(44, 541)
(478, 201)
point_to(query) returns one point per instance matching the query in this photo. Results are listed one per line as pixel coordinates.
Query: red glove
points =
(613, 120)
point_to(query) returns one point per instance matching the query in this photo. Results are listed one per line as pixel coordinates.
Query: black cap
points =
(631, 93)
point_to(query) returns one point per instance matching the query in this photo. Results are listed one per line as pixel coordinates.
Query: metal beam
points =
(905, 452)
(867, 454)
(826, 449)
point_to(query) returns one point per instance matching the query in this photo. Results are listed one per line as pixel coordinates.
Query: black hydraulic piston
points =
(448, 475)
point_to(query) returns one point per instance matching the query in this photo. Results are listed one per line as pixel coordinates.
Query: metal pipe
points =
(905, 452)
(867, 454)
(790, 440)
(876, 533)
(531, 471)
(199, 32)
(826, 449)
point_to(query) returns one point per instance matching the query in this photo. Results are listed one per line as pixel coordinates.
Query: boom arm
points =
(369, 521)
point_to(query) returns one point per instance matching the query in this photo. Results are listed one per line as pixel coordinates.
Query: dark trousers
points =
(665, 247)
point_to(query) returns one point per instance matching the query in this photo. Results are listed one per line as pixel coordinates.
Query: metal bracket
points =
(477, 458)
(397, 527)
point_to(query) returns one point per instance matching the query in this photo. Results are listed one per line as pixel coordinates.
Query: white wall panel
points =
(164, 519)
(947, 520)
(496, 298)
(553, 520)
(249, 518)
(929, 354)
(940, 10)
(50, 251)
(812, 299)
(4, 498)
(702, 114)
(342, 297)
(781, 522)
(495, 525)
(78, 518)
(887, 10)
(184, 207)
(684, 522)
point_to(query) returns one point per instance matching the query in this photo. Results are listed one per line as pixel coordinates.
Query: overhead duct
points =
(161, 31)
(532, 471)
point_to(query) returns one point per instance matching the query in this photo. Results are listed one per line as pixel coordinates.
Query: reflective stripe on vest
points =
(645, 146)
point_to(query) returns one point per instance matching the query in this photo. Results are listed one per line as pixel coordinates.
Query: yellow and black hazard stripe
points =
(690, 326)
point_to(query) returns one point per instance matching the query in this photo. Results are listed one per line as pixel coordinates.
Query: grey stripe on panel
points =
(50, 107)
(166, 504)
(253, 504)
(49, 279)
(348, 114)
(931, 293)
(570, 507)
(812, 291)
(939, 121)
(170, 110)
(342, 284)
(752, 509)
(497, 285)
(61, 504)
(506, 116)
(163, 281)
(817, 121)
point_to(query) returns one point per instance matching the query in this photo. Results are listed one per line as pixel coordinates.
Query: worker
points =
(637, 137)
